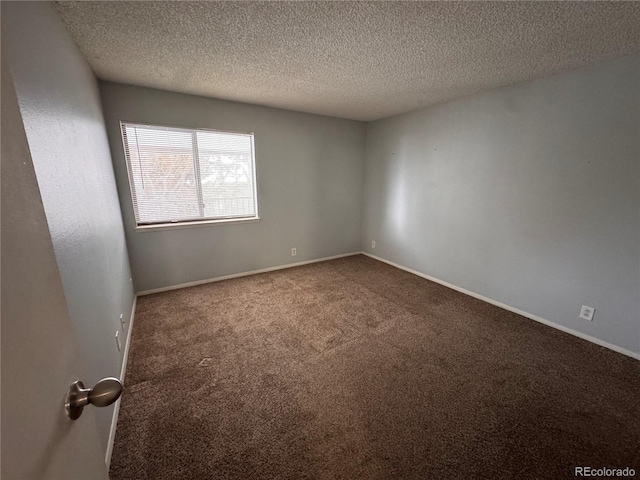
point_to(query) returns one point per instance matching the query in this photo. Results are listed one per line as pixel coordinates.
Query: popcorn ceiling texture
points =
(356, 60)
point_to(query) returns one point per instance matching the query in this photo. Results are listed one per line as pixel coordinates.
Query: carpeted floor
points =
(353, 369)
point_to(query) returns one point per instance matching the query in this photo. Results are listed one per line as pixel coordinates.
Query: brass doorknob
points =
(105, 392)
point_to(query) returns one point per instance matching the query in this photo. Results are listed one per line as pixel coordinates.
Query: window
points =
(178, 175)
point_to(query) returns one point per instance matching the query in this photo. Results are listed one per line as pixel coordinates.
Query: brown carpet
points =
(353, 369)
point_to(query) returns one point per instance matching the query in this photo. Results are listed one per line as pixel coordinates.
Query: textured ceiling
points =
(357, 60)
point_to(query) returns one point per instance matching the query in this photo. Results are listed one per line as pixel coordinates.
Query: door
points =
(40, 357)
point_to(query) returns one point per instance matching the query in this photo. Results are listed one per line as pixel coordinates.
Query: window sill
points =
(196, 224)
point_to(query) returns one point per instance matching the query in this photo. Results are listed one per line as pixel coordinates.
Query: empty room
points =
(320, 240)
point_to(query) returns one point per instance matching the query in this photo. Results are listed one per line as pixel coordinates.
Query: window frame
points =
(197, 222)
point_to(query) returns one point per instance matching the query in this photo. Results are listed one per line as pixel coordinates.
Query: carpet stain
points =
(205, 362)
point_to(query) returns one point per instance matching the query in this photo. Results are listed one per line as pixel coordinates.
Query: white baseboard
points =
(116, 410)
(549, 323)
(242, 274)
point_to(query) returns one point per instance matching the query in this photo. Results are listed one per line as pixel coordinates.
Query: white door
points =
(40, 357)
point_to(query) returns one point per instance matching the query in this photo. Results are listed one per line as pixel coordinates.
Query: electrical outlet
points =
(587, 313)
(117, 341)
(122, 322)
(373, 244)
(293, 252)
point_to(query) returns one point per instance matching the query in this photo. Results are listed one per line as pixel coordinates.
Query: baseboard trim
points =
(544, 321)
(242, 274)
(116, 410)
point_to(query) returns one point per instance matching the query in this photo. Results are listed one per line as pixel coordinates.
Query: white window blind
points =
(182, 175)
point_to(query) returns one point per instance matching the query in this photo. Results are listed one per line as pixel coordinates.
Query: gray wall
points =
(60, 104)
(528, 195)
(310, 174)
(37, 442)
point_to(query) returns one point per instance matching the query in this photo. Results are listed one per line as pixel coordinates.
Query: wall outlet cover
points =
(293, 252)
(373, 244)
(587, 313)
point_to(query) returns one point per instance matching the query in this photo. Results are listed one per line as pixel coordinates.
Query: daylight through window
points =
(180, 175)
